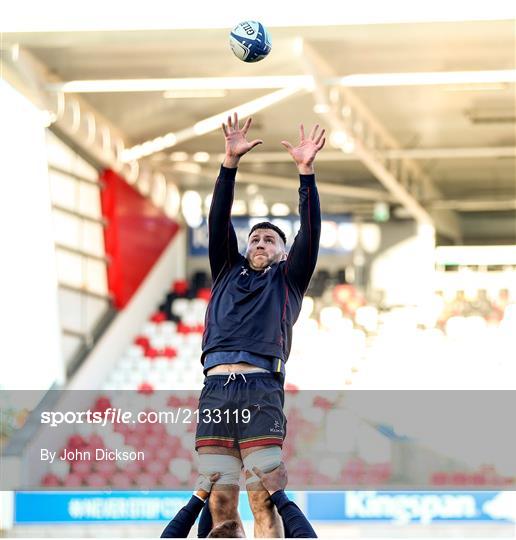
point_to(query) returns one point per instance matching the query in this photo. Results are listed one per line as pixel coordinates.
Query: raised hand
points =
(304, 153)
(236, 143)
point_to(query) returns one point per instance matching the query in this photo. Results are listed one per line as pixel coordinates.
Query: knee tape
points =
(266, 459)
(228, 466)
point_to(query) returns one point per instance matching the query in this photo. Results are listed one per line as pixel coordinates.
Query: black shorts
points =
(241, 411)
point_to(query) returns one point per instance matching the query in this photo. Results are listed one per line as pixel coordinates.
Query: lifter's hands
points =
(274, 480)
(236, 143)
(204, 484)
(304, 153)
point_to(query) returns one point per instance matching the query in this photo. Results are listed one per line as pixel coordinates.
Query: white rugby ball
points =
(250, 41)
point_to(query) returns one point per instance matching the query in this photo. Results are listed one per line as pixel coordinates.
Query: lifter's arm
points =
(295, 523)
(180, 526)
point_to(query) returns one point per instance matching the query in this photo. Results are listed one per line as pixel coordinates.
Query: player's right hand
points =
(236, 142)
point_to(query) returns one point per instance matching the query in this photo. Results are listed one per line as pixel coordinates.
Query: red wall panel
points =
(136, 235)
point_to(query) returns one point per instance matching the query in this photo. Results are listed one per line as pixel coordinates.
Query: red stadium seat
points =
(156, 468)
(142, 341)
(180, 287)
(145, 388)
(82, 468)
(102, 403)
(121, 480)
(205, 294)
(145, 480)
(73, 480)
(132, 469)
(169, 481)
(169, 352)
(50, 480)
(105, 468)
(158, 317)
(96, 480)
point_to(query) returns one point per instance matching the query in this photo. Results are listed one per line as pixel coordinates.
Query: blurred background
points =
(110, 146)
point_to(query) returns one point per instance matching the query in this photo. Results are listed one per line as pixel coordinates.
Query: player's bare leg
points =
(267, 521)
(223, 498)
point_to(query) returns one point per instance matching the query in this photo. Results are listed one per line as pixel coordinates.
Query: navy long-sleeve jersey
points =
(180, 526)
(253, 310)
(294, 521)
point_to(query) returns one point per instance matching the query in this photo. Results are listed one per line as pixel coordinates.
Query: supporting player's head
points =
(265, 246)
(230, 528)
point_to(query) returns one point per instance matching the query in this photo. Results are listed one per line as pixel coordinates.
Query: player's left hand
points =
(304, 153)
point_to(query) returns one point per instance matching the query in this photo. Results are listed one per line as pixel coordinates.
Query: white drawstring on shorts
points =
(232, 377)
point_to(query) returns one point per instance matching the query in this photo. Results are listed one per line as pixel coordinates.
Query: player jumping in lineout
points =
(256, 299)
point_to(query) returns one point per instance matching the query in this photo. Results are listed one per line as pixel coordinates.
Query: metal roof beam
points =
(282, 182)
(365, 136)
(403, 153)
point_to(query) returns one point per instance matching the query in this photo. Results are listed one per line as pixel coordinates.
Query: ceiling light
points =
(329, 234)
(168, 140)
(257, 207)
(208, 124)
(348, 147)
(218, 86)
(191, 207)
(188, 167)
(239, 208)
(184, 87)
(370, 237)
(347, 236)
(149, 147)
(321, 108)
(280, 209)
(178, 156)
(201, 157)
(340, 139)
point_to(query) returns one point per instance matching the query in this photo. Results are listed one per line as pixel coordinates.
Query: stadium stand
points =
(165, 355)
